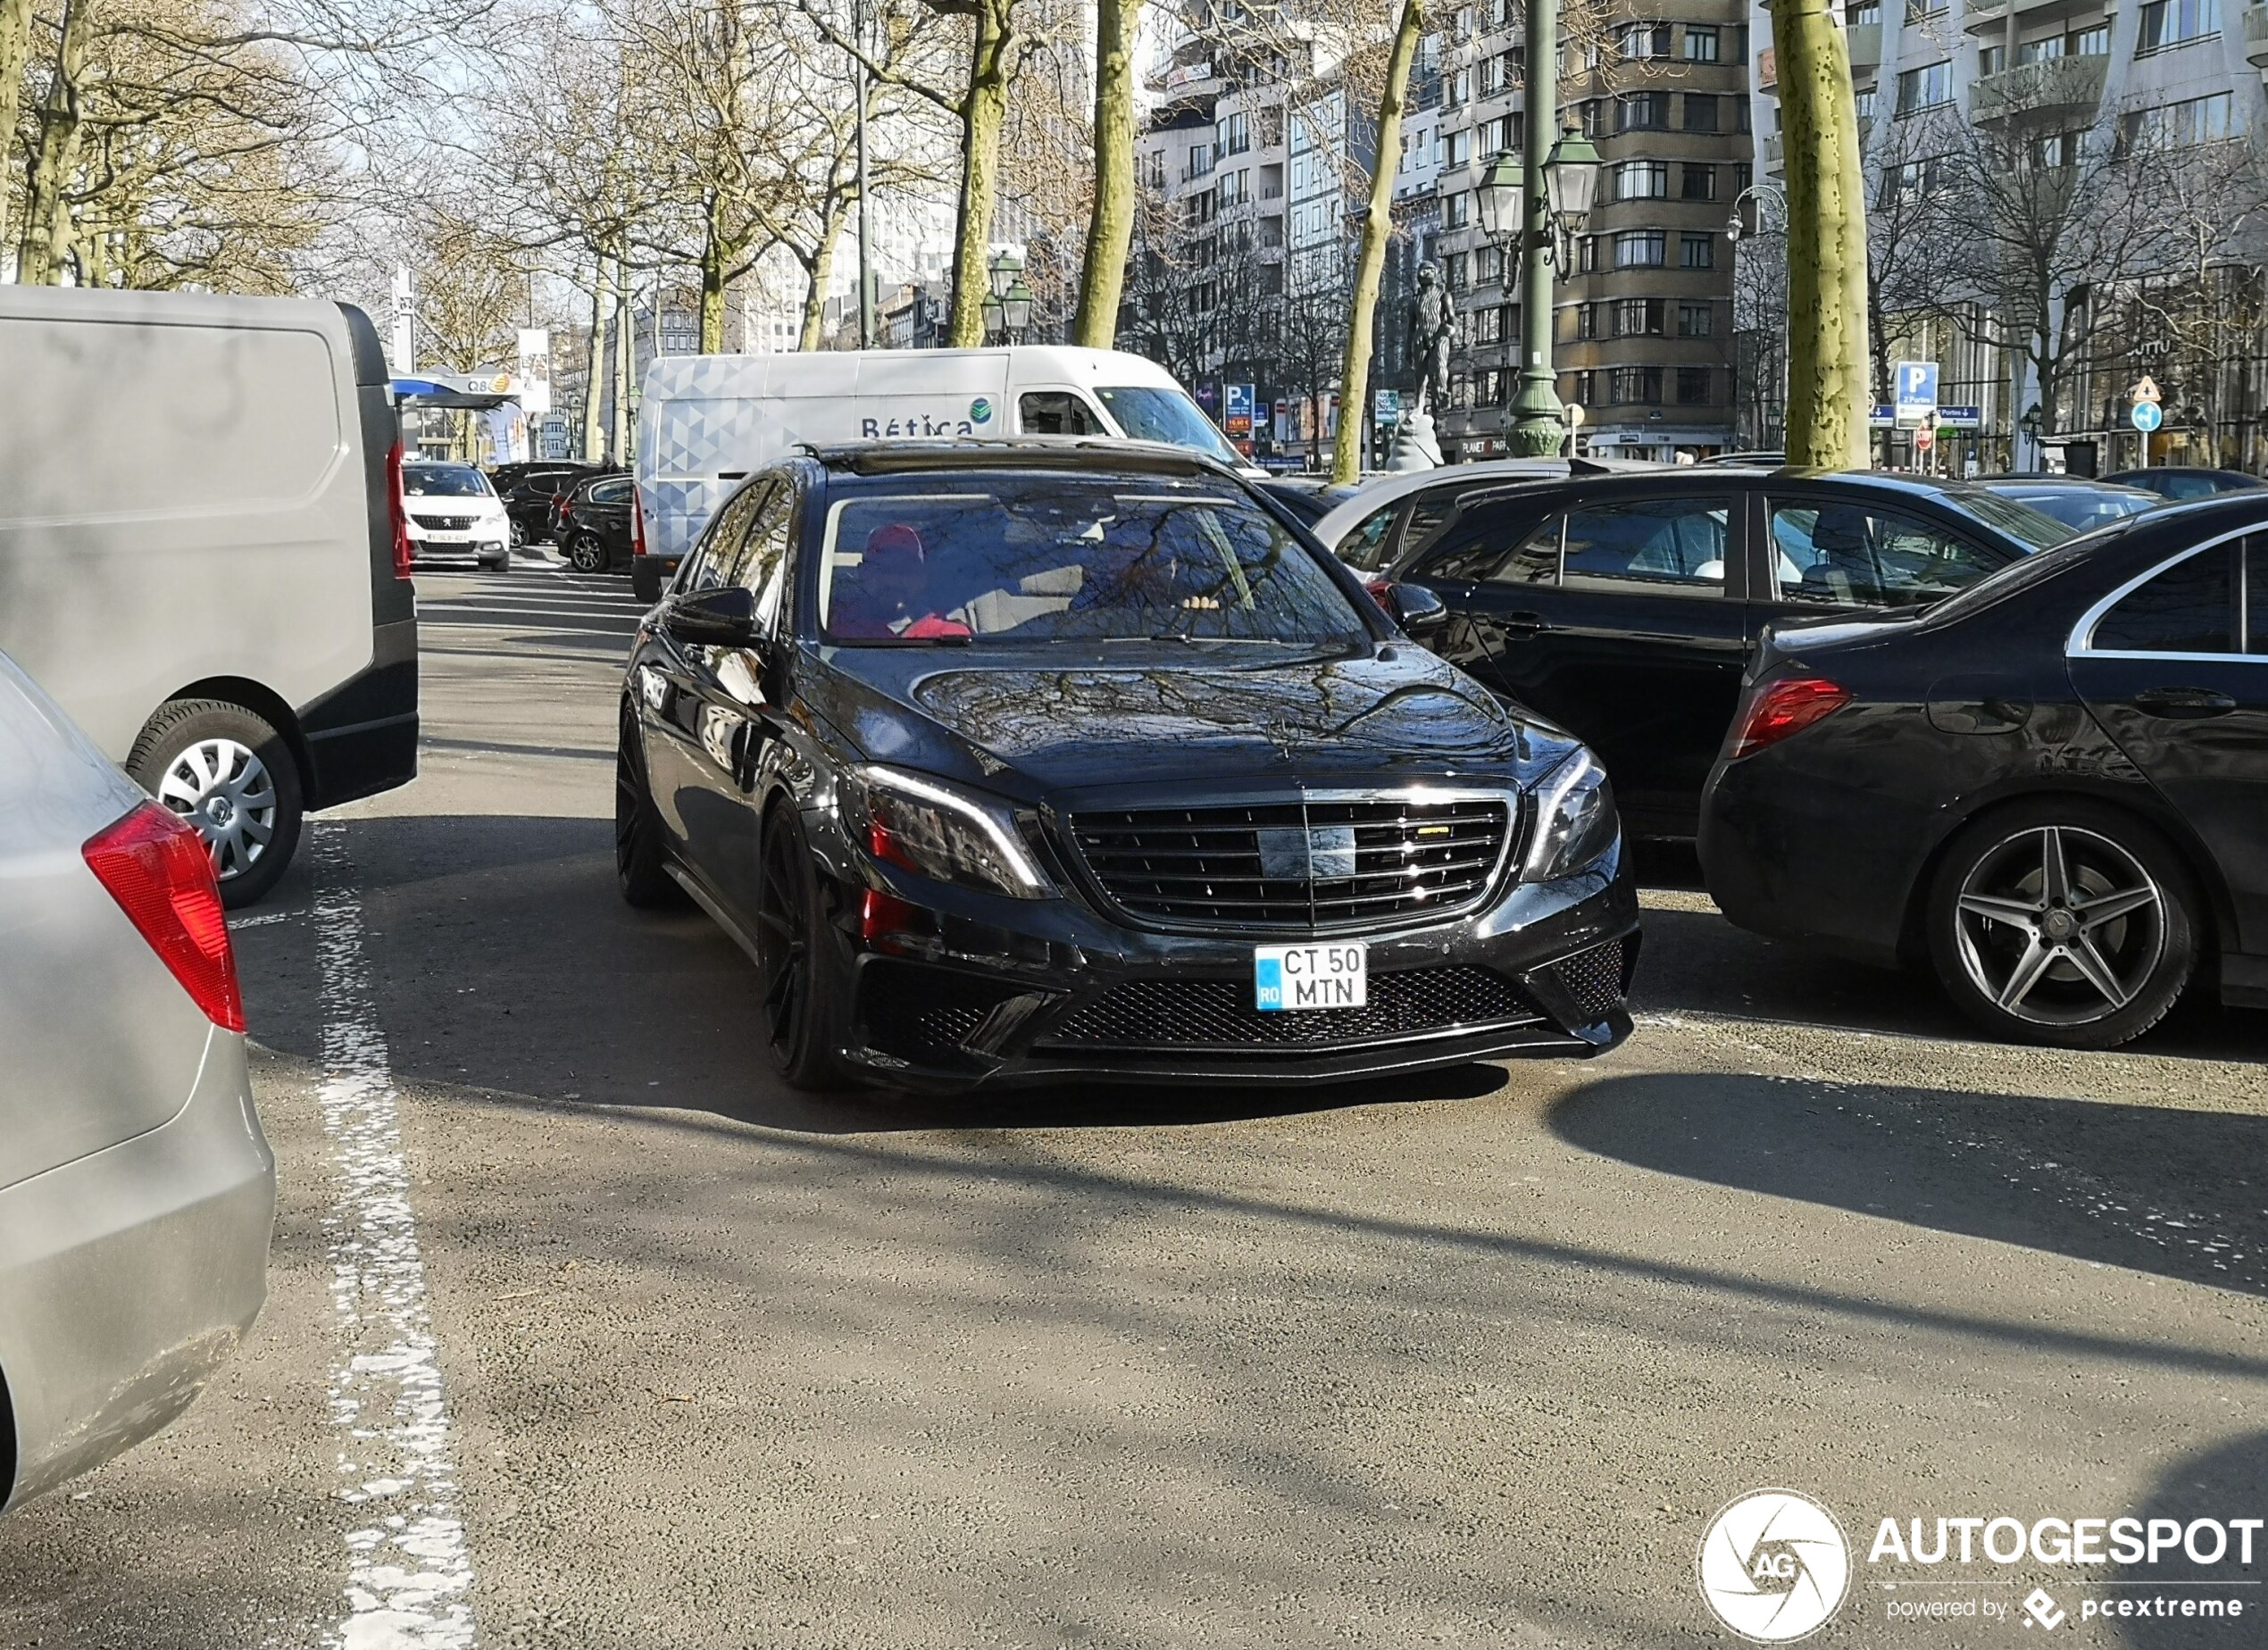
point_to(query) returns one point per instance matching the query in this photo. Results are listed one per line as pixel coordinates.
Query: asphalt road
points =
(582, 1333)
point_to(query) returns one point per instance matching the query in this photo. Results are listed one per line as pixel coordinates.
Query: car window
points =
(1055, 413)
(2190, 487)
(1069, 558)
(1852, 555)
(761, 567)
(1671, 544)
(1429, 518)
(615, 492)
(2189, 608)
(444, 481)
(1364, 548)
(712, 559)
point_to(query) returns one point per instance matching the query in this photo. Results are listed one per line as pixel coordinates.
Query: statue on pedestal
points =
(1432, 335)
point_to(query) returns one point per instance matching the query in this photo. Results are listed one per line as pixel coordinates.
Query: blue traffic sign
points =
(1916, 396)
(2146, 416)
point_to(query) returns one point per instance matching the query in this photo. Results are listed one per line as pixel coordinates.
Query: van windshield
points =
(444, 481)
(1148, 414)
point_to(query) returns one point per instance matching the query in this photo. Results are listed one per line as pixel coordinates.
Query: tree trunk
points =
(983, 113)
(1110, 224)
(717, 253)
(821, 270)
(47, 228)
(1369, 259)
(594, 366)
(1827, 392)
(15, 53)
(625, 348)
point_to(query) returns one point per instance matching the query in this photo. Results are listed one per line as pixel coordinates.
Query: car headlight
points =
(932, 828)
(1575, 819)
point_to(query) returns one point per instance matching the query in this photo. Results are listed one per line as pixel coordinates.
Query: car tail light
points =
(398, 511)
(637, 525)
(1785, 707)
(1378, 588)
(159, 872)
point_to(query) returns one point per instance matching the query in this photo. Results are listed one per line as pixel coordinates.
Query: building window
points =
(1693, 386)
(1914, 180)
(1696, 251)
(1637, 249)
(1640, 41)
(1638, 318)
(1863, 97)
(1457, 148)
(1642, 112)
(1587, 255)
(1642, 181)
(2176, 126)
(1700, 112)
(1585, 389)
(2176, 22)
(2094, 42)
(1459, 89)
(1593, 114)
(1233, 134)
(1630, 387)
(1489, 266)
(1700, 44)
(1865, 14)
(1700, 182)
(1693, 320)
(2057, 150)
(1454, 271)
(1585, 321)
(1991, 61)
(1930, 86)
(1231, 190)
(1489, 324)
(2040, 51)
(1743, 174)
(1492, 75)
(1200, 159)
(1456, 211)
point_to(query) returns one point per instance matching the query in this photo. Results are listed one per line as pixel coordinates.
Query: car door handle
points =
(2183, 702)
(1522, 624)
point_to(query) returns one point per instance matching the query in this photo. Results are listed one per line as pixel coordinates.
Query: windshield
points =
(1059, 558)
(1166, 415)
(2082, 509)
(2020, 522)
(444, 481)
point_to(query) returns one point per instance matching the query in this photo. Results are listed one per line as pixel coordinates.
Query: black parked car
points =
(2079, 502)
(593, 525)
(2180, 482)
(1624, 607)
(1013, 761)
(2050, 789)
(528, 490)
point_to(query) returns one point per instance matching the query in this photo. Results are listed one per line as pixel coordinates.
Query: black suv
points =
(592, 524)
(1073, 759)
(529, 491)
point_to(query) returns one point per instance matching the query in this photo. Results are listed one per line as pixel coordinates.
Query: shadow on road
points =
(504, 958)
(2153, 1188)
(2221, 1483)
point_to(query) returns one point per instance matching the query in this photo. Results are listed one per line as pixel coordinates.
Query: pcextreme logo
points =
(1773, 1566)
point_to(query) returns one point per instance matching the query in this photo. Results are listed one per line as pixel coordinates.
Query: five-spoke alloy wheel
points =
(2064, 922)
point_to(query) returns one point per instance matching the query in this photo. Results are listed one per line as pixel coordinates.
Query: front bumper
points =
(129, 1276)
(459, 551)
(976, 991)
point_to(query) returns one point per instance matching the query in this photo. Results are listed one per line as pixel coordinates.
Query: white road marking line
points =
(409, 1569)
(264, 919)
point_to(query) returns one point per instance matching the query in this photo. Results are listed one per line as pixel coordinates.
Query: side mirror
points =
(722, 616)
(1422, 614)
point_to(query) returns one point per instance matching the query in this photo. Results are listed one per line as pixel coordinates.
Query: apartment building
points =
(2060, 84)
(1643, 321)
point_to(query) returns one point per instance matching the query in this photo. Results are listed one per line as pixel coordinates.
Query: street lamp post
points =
(1558, 179)
(1008, 311)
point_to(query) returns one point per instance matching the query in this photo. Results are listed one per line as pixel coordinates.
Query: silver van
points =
(204, 555)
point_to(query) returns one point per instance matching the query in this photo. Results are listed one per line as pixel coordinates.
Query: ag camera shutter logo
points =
(1773, 1566)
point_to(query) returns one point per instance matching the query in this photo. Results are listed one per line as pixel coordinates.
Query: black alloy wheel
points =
(805, 993)
(2062, 921)
(640, 866)
(586, 553)
(519, 535)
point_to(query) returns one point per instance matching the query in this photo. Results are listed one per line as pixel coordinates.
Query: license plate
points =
(1295, 977)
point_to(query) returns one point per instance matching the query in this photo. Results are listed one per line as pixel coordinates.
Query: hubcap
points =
(2060, 926)
(225, 790)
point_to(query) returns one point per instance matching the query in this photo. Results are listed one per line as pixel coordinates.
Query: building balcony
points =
(1773, 150)
(1987, 16)
(2061, 88)
(2257, 37)
(1867, 46)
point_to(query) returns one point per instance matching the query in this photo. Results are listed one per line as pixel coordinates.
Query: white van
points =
(706, 421)
(203, 553)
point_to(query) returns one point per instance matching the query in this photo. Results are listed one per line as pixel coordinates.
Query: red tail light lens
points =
(1378, 588)
(1784, 707)
(159, 871)
(637, 524)
(398, 512)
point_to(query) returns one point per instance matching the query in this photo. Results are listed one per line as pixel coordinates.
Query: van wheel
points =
(229, 774)
(586, 553)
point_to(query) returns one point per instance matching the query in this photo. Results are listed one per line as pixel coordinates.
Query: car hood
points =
(1038, 727)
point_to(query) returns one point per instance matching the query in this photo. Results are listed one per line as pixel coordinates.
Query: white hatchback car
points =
(454, 515)
(136, 1191)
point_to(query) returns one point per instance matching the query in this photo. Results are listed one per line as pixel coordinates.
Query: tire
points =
(586, 553)
(229, 774)
(645, 580)
(640, 862)
(805, 1006)
(2062, 921)
(519, 535)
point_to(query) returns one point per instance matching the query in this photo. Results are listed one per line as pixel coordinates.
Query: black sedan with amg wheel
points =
(1057, 760)
(2051, 790)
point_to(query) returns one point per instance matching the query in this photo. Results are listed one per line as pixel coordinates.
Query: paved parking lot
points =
(582, 1333)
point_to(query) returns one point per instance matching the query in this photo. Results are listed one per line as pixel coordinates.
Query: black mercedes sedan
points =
(1624, 607)
(2051, 790)
(1065, 759)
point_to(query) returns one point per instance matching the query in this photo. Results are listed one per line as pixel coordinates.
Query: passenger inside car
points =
(886, 595)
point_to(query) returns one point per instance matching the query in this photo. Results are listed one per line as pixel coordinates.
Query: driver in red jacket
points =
(891, 597)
